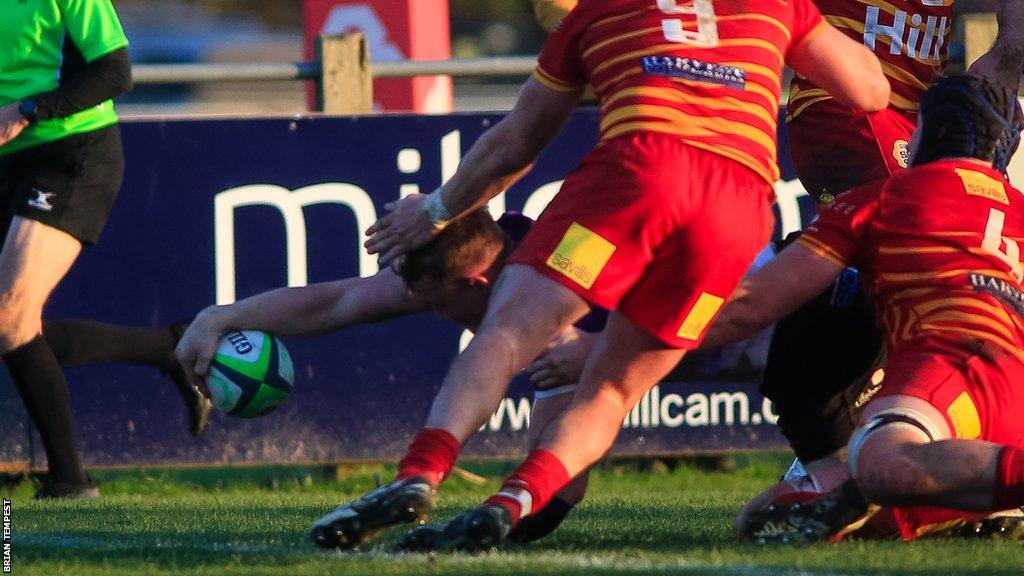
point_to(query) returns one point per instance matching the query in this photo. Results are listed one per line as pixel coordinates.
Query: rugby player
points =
(452, 276)
(658, 223)
(938, 245)
(822, 363)
(820, 366)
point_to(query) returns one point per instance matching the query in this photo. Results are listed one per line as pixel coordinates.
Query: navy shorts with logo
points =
(69, 184)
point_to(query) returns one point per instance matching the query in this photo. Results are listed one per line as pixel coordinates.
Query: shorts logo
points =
(978, 184)
(42, 200)
(581, 255)
(702, 313)
(964, 416)
(901, 152)
(692, 69)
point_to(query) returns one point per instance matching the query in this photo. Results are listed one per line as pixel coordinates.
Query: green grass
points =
(254, 522)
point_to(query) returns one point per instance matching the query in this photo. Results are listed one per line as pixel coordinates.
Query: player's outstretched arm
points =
(844, 68)
(794, 277)
(307, 311)
(496, 161)
(1003, 62)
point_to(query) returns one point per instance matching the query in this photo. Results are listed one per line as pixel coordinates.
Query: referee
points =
(61, 164)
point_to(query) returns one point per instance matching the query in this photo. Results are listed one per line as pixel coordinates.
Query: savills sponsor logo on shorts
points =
(581, 255)
(703, 311)
(41, 200)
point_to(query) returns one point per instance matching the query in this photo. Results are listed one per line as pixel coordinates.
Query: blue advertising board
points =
(217, 210)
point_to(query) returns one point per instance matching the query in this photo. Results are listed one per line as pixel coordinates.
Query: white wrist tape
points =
(436, 210)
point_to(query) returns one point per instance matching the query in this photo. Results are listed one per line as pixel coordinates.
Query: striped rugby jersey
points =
(939, 249)
(909, 37)
(707, 71)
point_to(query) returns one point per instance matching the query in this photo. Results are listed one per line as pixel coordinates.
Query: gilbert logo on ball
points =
(250, 375)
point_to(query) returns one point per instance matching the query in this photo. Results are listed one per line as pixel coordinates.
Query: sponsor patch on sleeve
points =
(700, 316)
(581, 255)
(979, 184)
(692, 69)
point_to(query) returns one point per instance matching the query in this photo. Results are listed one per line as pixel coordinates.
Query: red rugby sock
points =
(1009, 488)
(431, 455)
(532, 485)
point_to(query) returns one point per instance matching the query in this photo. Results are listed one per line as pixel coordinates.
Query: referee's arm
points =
(105, 78)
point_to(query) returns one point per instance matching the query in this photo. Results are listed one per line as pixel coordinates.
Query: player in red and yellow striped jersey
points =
(836, 148)
(657, 223)
(939, 248)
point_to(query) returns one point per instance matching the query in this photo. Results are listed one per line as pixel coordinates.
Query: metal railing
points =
(456, 67)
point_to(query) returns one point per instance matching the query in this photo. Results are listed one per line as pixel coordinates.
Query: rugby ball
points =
(250, 375)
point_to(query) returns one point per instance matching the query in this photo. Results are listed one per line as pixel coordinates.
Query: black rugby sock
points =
(42, 387)
(77, 342)
(536, 526)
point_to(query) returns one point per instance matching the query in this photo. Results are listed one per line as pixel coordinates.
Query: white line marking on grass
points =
(549, 558)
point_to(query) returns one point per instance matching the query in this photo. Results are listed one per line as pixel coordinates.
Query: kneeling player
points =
(451, 276)
(937, 246)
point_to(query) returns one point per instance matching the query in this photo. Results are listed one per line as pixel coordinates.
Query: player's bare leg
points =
(526, 311)
(35, 258)
(903, 456)
(626, 362)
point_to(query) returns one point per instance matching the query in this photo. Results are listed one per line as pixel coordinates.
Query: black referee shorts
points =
(69, 184)
(819, 368)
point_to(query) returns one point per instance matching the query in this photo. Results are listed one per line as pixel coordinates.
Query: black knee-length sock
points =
(42, 387)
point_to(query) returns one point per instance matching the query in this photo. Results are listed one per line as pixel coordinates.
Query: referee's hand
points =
(11, 123)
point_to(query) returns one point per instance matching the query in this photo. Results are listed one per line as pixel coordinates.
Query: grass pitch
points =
(254, 522)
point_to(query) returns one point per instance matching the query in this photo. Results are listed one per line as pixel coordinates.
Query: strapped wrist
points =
(436, 210)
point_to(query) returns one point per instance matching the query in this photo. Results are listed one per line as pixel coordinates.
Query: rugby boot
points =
(1008, 525)
(355, 523)
(197, 406)
(481, 528)
(830, 517)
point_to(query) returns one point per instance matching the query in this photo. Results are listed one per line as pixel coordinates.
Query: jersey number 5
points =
(994, 240)
(706, 35)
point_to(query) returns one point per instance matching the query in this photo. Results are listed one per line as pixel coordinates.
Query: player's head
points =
(455, 270)
(964, 115)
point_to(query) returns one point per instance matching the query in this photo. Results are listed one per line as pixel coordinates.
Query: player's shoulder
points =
(855, 199)
(963, 178)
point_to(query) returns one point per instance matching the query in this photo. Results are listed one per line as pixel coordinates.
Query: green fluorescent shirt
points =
(31, 36)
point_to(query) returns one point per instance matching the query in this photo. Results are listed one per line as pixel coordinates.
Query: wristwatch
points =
(27, 108)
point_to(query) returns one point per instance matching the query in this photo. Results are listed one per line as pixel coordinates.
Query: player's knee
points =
(19, 322)
(881, 454)
(889, 478)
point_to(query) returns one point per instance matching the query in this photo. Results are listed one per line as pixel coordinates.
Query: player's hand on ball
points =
(11, 123)
(197, 346)
(407, 226)
(562, 363)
